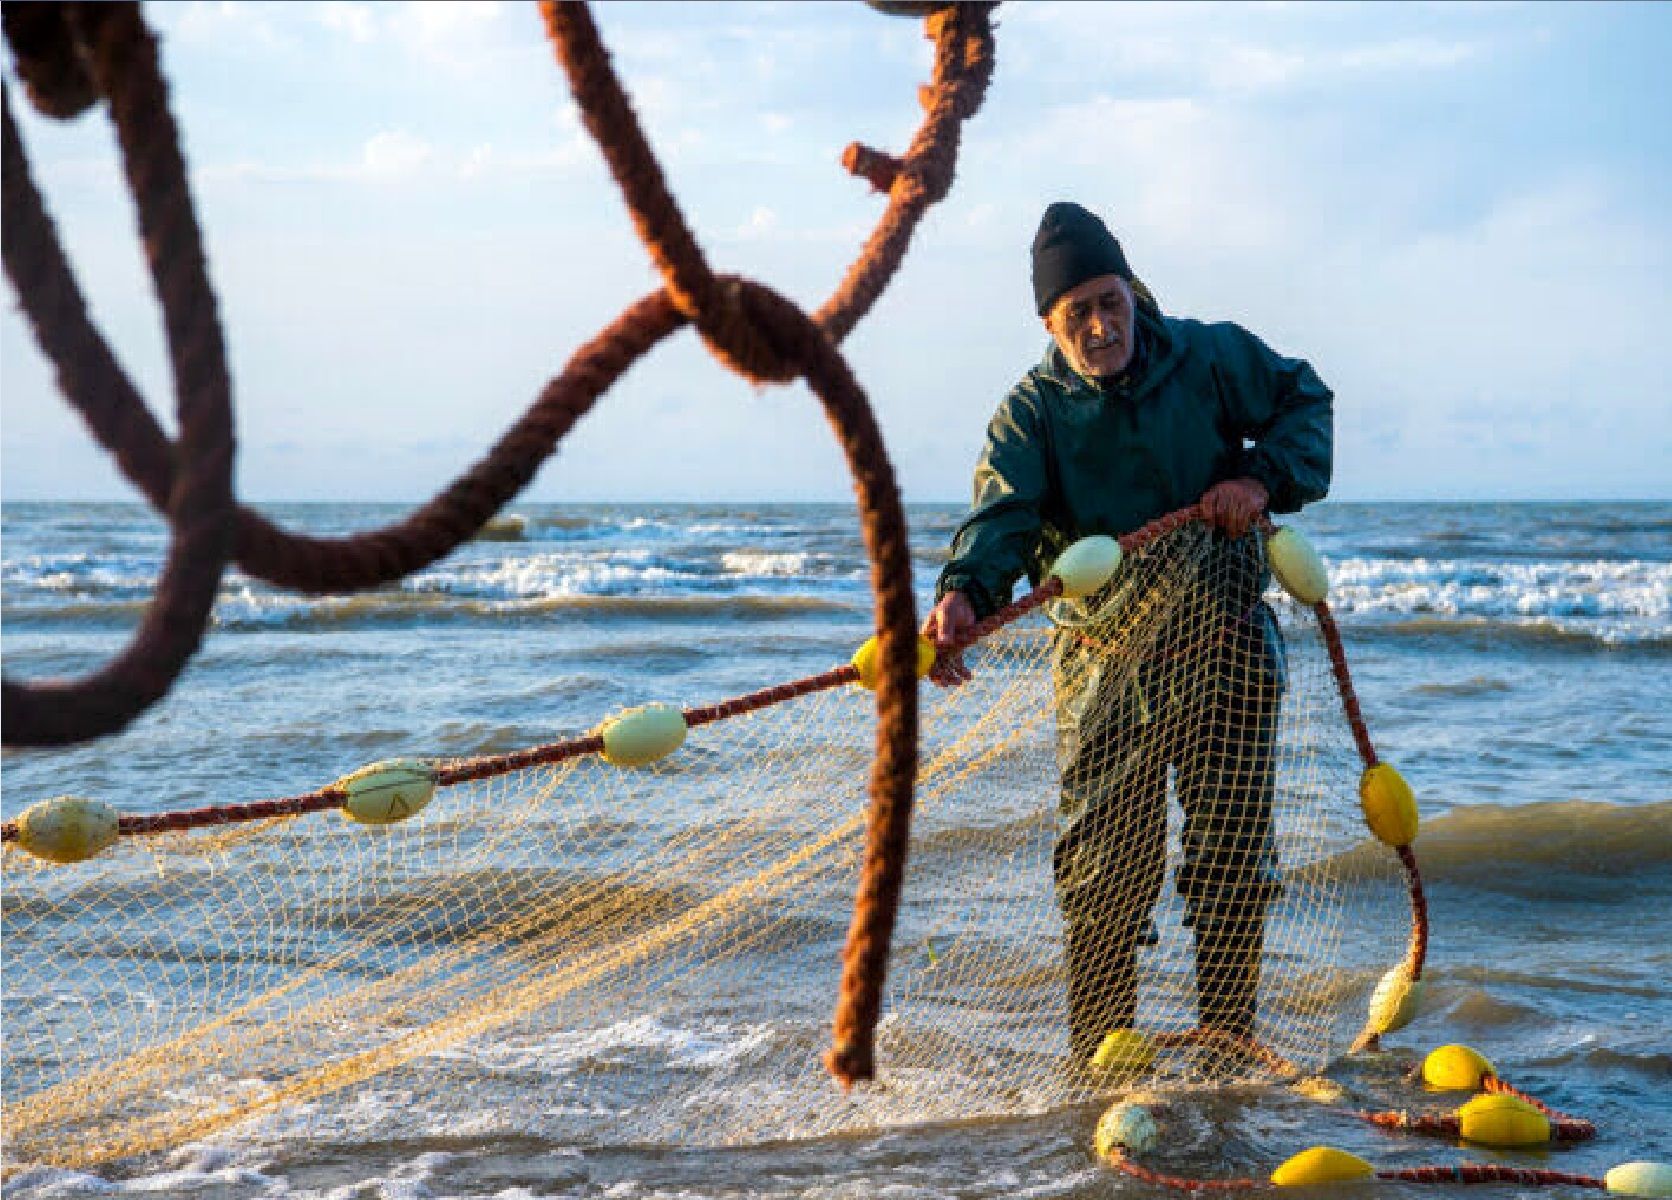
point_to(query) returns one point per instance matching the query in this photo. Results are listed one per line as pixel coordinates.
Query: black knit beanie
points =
(1072, 246)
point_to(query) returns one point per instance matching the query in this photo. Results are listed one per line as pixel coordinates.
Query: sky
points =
(1461, 215)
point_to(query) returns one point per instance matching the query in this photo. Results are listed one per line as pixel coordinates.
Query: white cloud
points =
(436, 21)
(488, 160)
(761, 223)
(1413, 54)
(356, 21)
(222, 23)
(395, 153)
(461, 36)
(1191, 50)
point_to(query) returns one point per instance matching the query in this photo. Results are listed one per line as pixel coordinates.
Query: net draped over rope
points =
(71, 55)
(573, 943)
(237, 969)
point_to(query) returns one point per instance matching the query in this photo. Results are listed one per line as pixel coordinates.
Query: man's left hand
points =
(1234, 505)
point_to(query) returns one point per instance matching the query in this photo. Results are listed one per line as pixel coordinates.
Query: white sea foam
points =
(1498, 589)
(757, 564)
(710, 1045)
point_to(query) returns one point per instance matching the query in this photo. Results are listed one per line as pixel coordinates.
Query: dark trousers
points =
(1203, 706)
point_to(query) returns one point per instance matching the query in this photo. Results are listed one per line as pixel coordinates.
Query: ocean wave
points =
(80, 575)
(404, 608)
(386, 610)
(1536, 846)
(1485, 588)
(758, 564)
(1626, 603)
(1553, 634)
(1478, 685)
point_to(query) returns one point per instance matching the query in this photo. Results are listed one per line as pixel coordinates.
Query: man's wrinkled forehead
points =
(1105, 289)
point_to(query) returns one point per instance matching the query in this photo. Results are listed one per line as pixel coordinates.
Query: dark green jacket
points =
(1066, 459)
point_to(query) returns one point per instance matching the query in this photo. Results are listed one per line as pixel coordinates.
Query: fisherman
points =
(1131, 415)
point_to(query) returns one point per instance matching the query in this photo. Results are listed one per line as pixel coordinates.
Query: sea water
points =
(1515, 660)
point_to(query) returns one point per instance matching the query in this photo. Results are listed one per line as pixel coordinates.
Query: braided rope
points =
(1461, 1174)
(121, 60)
(1563, 1129)
(1449, 1125)
(471, 769)
(1487, 1173)
(753, 330)
(454, 771)
(1179, 1183)
(1416, 955)
(1501, 1087)
(95, 383)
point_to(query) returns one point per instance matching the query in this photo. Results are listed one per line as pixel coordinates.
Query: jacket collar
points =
(1162, 350)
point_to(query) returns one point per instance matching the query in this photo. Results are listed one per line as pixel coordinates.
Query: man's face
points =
(1092, 325)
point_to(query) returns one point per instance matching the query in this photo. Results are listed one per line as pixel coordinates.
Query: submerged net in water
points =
(590, 952)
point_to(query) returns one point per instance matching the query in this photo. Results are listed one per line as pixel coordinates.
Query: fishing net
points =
(591, 952)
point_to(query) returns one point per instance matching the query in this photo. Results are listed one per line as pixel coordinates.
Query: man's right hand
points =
(949, 621)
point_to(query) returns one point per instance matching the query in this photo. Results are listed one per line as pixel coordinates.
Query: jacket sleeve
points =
(995, 543)
(1282, 406)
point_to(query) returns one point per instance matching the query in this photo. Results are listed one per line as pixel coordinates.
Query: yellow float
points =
(67, 829)
(1124, 1050)
(1390, 808)
(637, 737)
(1297, 566)
(1456, 1068)
(867, 660)
(1086, 566)
(386, 792)
(1321, 1164)
(1494, 1120)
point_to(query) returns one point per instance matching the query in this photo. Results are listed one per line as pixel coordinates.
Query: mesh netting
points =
(1158, 788)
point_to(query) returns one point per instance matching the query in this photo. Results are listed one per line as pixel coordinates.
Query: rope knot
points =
(754, 331)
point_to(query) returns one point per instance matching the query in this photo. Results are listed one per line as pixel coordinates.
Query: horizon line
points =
(140, 501)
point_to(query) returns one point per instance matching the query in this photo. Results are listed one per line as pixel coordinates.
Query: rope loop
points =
(121, 59)
(51, 61)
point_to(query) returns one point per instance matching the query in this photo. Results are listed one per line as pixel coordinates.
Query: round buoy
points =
(1640, 1179)
(1396, 1001)
(1321, 1164)
(386, 792)
(637, 737)
(67, 829)
(1455, 1068)
(867, 660)
(1086, 566)
(1497, 1120)
(1125, 1126)
(1297, 566)
(1390, 807)
(1124, 1050)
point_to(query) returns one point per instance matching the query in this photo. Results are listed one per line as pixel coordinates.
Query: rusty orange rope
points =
(1468, 1173)
(1416, 955)
(470, 769)
(1562, 1129)
(120, 58)
(1463, 1173)
(758, 333)
(50, 55)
